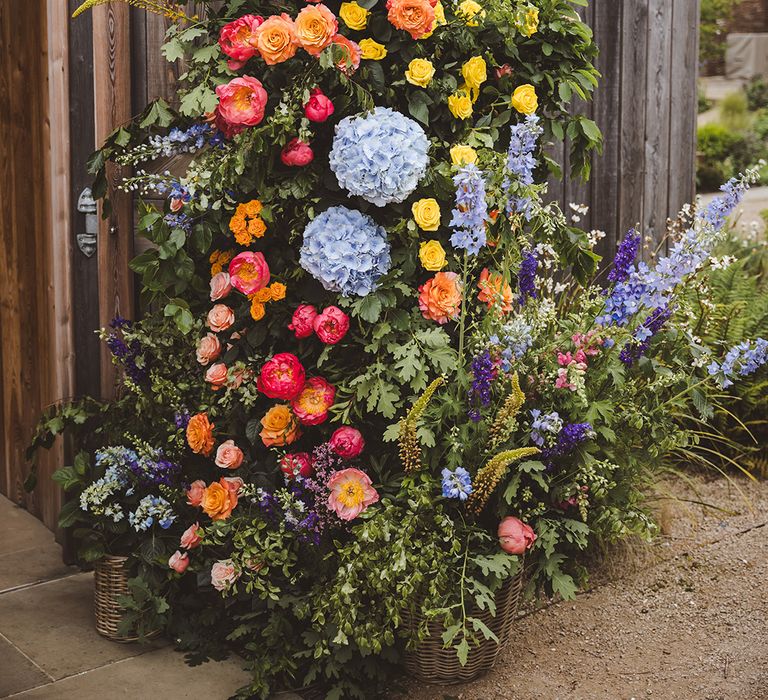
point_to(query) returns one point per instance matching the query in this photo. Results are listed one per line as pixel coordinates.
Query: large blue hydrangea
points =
(346, 250)
(380, 156)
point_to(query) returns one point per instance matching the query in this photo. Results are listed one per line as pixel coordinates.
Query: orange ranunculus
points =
(279, 427)
(219, 501)
(315, 28)
(494, 291)
(200, 434)
(413, 16)
(440, 297)
(276, 39)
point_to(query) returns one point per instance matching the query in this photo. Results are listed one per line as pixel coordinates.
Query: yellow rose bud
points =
(354, 16)
(432, 256)
(475, 72)
(530, 21)
(471, 12)
(372, 50)
(524, 99)
(463, 155)
(460, 104)
(426, 213)
(420, 72)
(257, 310)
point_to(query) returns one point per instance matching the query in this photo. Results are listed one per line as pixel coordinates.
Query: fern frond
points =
(167, 8)
(488, 478)
(410, 450)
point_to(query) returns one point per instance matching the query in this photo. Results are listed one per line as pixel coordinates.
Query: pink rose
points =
(229, 455)
(241, 102)
(220, 286)
(233, 484)
(179, 562)
(502, 70)
(208, 348)
(347, 442)
(331, 325)
(220, 317)
(515, 536)
(301, 323)
(319, 107)
(297, 464)
(350, 493)
(216, 375)
(223, 574)
(297, 153)
(190, 539)
(195, 493)
(237, 377)
(249, 272)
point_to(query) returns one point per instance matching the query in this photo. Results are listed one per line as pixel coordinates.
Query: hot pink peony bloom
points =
(301, 323)
(347, 442)
(282, 377)
(195, 493)
(190, 539)
(312, 404)
(297, 464)
(241, 102)
(179, 562)
(297, 153)
(229, 455)
(220, 317)
(223, 574)
(319, 107)
(220, 286)
(515, 536)
(238, 40)
(208, 348)
(351, 493)
(331, 325)
(249, 272)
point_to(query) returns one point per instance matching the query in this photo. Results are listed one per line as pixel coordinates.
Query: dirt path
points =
(689, 622)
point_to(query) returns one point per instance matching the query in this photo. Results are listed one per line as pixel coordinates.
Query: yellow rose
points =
(463, 155)
(420, 72)
(474, 72)
(471, 11)
(439, 20)
(524, 99)
(530, 21)
(426, 213)
(372, 50)
(460, 104)
(354, 16)
(432, 256)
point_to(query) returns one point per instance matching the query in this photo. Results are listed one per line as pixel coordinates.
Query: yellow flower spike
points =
(420, 72)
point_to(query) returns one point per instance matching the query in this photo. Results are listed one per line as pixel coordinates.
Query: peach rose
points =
(279, 427)
(276, 39)
(190, 539)
(220, 286)
(200, 434)
(229, 455)
(440, 297)
(413, 16)
(315, 28)
(216, 375)
(220, 317)
(219, 501)
(195, 493)
(223, 574)
(233, 484)
(179, 562)
(208, 348)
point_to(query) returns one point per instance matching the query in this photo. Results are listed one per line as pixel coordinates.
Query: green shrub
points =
(715, 16)
(715, 165)
(734, 112)
(705, 104)
(757, 94)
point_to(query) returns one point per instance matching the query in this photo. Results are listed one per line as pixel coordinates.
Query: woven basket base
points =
(110, 581)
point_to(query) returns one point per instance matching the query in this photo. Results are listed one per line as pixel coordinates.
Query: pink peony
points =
(331, 325)
(229, 455)
(208, 348)
(347, 442)
(515, 536)
(319, 107)
(223, 574)
(249, 272)
(351, 493)
(297, 464)
(220, 317)
(195, 493)
(237, 40)
(216, 375)
(302, 322)
(282, 377)
(179, 562)
(312, 404)
(241, 102)
(220, 286)
(297, 153)
(189, 538)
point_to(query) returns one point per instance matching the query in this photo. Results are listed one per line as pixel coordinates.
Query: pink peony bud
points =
(515, 536)
(347, 442)
(301, 323)
(179, 562)
(297, 153)
(319, 107)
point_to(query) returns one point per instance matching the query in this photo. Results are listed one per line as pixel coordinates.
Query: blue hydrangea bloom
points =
(346, 250)
(380, 156)
(457, 484)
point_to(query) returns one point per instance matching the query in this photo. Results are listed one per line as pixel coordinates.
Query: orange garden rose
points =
(277, 291)
(350, 62)
(494, 291)
(257, 309)
(315, 28)
(413, 16)
(440, 297)
(219, 500)
(279, 427)
(276, 39)
(219, 258)
(200, 434)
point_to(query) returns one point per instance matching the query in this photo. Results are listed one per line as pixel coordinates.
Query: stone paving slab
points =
(17, 672)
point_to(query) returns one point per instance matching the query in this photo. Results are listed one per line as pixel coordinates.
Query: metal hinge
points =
(86, 242)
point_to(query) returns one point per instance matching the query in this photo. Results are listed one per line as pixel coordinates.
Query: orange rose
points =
(279, 427)
(315, 28)
(413, 16)
(219, 501)
(200, 434)
(440, 297)
(276, 39)
(495, 291)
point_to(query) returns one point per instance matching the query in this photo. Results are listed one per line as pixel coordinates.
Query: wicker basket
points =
(110, 582)
(429, 662)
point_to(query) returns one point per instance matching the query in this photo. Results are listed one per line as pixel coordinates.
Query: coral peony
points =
(312, 404)
(347, 442)
(282, 377)
(515, 536)
(494, 291)
(241, 102)
(190, 537)
(200, 434)
(219, 500)
(440, 297)
(208, 348)
(195, 493)
(229, 455)
(279, 427)
(223, 574)
(331, 325)
(276, 39)
(179, 562)
(220, 286)
(297, 153)
(297, 464)
(413, 16)
(238, 40)
(319, 106)
(315, 27)
(302, 322)
(351, 493)
(220, 317)
(249, 272)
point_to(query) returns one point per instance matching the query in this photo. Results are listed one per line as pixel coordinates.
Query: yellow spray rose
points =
(475, 72)
(426, 213)
(530, 21)
(471, 11)
(420, 72)
(524, 99)
(372, 50)
(354, 16)
(463, 155)
(460, 104)
(432, 256)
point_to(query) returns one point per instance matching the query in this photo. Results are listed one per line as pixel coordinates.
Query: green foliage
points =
(734, 111)
(757, 94)
(724, 153)
(713, 23)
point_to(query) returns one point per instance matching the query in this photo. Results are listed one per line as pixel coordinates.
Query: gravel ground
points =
(682, 618)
